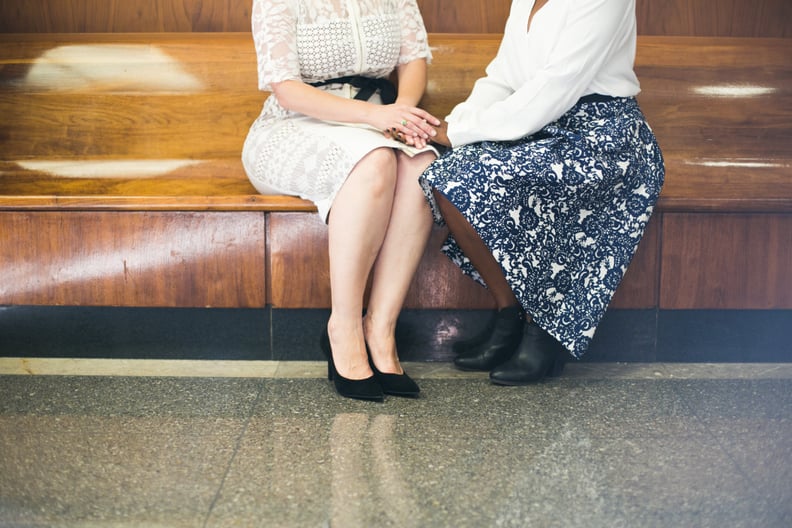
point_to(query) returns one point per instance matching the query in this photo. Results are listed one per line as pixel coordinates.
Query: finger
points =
(423, 125)
(418, 129)
(426, 129)
(424, 115)
(397, 135)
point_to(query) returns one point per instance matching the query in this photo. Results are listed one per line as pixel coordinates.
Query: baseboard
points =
(424, 335)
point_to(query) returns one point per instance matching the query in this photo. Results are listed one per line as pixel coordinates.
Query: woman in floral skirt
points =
(550, 183)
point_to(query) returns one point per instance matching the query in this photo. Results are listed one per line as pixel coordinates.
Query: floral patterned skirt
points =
(561, 210)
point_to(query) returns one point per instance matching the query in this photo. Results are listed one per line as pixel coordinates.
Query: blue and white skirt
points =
(561, 210)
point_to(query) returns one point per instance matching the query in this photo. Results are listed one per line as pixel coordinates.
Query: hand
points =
(413, 141)
(441, 136)
(409, 124)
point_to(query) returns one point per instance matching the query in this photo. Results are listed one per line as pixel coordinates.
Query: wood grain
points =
(300, 275)
(132, 259)
(640, 286)
(734, 147)
(720, 261)
(298, 261)
(465, 16)
(300, 270)
(724, 154)
(716, 18)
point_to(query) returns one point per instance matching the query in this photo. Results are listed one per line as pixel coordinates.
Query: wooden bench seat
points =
(120, 156)
(136, 121)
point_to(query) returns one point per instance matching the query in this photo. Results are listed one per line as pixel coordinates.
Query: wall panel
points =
(726, 261)
(639, 288)
(464, 16)
(300, 276)
(715, 18)
(132, 259)
(735, 18)
(121, 16)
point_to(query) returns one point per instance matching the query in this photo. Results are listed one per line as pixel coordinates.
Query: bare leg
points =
(408, 232)
(357, 224)
(478, 253)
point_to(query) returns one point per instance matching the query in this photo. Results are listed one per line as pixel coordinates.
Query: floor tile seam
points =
(279, 369)
(235, 452)
(755, 487)
(709, 433)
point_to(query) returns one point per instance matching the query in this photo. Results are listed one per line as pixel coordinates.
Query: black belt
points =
(596, 98)
(366, 85)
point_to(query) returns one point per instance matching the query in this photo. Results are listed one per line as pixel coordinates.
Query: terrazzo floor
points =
(143, 443)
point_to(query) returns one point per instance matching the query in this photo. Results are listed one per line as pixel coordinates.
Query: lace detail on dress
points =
(314, 41)
(384, 34)
(308, 168)
(324, 50)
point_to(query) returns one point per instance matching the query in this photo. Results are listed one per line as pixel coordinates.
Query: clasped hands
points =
(414, 126)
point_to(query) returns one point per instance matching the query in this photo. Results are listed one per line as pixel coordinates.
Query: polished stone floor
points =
(140, 443)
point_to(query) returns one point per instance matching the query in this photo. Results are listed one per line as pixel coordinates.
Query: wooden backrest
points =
(158, 117)
(722, 112)
(162, 117)
(759, 18)
(132, 115)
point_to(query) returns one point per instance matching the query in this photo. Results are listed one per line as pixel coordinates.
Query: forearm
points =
(400, 120)
(308, 100)
(411, 82)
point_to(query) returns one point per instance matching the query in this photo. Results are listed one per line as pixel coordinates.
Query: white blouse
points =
(574, 48)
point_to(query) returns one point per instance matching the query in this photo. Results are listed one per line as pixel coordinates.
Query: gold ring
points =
(404, 122)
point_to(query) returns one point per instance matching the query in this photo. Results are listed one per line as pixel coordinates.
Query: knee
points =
(378, 172)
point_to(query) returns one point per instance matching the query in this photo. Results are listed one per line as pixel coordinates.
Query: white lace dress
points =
(313, 40)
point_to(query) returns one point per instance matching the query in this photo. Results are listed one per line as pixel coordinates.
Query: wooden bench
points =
(121, 182)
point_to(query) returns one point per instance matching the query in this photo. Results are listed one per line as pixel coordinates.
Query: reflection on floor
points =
(179, 443)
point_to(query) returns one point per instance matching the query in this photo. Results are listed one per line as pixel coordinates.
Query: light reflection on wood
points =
(723, 155)
(132, 259)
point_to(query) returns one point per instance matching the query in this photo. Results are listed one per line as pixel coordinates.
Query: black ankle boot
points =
(499, 345)
(463, 346)
(538, 355)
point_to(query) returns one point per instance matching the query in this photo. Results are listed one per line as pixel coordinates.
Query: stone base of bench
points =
(424, 335)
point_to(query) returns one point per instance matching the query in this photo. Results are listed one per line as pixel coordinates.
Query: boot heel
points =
(558, 366)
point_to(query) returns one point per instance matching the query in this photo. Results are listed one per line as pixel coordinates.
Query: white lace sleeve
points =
(274, 34)
(415, 43)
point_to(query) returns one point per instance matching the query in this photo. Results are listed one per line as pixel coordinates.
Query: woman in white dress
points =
(328, 133)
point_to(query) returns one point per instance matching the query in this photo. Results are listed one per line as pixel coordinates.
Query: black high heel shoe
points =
(364, 389)
(538, 356)
(395, 384)
(498, 346)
